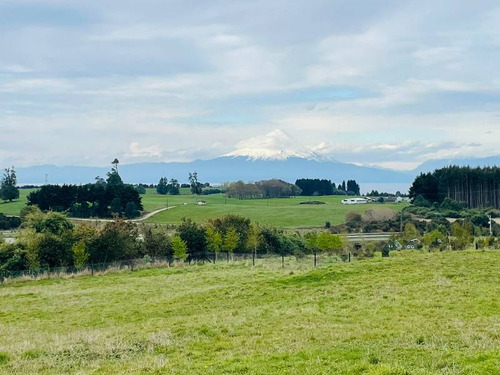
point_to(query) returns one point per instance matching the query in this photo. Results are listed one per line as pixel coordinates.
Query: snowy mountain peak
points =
(276, 145)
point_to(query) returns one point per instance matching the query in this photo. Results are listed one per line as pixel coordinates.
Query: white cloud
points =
(15, 69)
(136, 151)
(169, 81)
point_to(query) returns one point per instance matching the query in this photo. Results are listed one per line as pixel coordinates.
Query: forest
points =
(476, 187)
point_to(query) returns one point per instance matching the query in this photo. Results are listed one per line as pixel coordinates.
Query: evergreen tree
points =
(475, 187)
(173, 188)
(196, 187)
(162, 187)
(8, 187)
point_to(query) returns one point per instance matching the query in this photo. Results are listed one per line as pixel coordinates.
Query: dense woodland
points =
(315, 187)
(103, 198)
(476, 187)
(50, 240)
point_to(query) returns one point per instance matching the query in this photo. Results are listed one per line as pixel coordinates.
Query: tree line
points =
(316, 187)
(50, 240)
(476, 187)
(273, 188)
(104, 198)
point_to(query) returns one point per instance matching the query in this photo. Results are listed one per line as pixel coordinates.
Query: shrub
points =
(420, 201)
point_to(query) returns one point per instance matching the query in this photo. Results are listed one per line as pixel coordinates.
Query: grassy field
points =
(414, 313)
(281, 212)
(15, 207)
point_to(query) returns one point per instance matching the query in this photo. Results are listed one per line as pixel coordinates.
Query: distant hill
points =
(273, 155)
(217, 170)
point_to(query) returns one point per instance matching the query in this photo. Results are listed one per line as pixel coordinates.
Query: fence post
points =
(349, 257)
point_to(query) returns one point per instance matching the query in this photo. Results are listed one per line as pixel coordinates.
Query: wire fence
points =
(247, 259)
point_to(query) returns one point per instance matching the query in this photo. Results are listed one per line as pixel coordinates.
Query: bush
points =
(212, 191)
(118, 240)
(157, 244)
(420, 201)
(452, 205)
(433, 215)
(8, 223)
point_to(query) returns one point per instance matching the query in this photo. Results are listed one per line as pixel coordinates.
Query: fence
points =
(248, 259)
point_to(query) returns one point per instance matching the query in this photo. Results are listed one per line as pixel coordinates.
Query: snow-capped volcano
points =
(276, 145)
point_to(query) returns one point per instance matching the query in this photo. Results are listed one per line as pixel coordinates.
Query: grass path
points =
(414, 313)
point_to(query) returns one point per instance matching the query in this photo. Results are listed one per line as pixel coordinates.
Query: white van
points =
(355, 201)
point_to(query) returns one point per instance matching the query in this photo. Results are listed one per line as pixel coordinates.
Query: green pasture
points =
(280, 212)
(413, 313)
(14, 208)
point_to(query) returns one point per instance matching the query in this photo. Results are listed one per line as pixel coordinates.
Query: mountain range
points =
(275, 155)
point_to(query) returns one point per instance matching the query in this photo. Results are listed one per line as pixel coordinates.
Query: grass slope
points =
(415, 313)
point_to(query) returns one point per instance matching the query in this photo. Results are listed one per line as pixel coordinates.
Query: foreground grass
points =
(280, 212)
(415, 313)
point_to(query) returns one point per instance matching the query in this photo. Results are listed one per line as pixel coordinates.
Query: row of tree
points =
(104, 198)
(442, 235)
(476, 187)
(165, 187)
(316, 186)
(49, 240)
(262, 189)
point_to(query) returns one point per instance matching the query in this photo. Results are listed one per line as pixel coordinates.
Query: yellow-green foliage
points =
(329, 242)
(80, 255)
(179, 247)
(230, 240)
(410, 232)
(435, 239)
(462, 235)
(214, 239)
(414, 313)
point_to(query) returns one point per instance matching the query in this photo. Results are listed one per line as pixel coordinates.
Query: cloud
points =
(136, 151)
(15, 69)
(392, 83)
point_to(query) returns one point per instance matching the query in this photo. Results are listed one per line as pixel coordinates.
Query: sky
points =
(385, 83)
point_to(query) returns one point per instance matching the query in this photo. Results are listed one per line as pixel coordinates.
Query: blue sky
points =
(387, 83)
